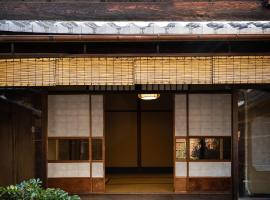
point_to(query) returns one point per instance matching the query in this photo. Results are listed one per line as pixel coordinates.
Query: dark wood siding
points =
(183, 10)
(17, 144)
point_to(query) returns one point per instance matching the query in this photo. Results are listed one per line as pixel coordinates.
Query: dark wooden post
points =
(235, 144)
(44, 139)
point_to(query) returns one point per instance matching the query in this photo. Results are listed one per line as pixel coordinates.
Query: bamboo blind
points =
(134, 70)
(241, 69)
(94, 71)
(27, 72)
(173, 70)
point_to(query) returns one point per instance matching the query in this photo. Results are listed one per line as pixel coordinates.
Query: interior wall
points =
(138, 133)
(121, 139)
(156, 139)
(17, 149)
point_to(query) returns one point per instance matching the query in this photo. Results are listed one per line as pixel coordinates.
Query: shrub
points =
(32, 190)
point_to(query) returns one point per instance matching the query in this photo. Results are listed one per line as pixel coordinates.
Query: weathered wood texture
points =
(180, 184)
(72, 185)
(98, 185)
(16, 144)
(182, 10)
(210, 184)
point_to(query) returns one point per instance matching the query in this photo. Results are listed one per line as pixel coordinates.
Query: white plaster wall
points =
(210, 115)
(68, 115)
(97, 115)
(97, 170)
(180, 169)
(68, 170)
(210, 169)
(180, 117)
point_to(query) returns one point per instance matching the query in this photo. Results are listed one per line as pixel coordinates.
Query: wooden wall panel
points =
(118, 142)
(6, 145)
(24, 144)
(156, 139)
(210, 184)
(98, 185)
(71, 185)
(17, 150)
(180, 184)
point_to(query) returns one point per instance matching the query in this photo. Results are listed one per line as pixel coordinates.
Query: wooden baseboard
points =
(71, 185)
(180, 184)
(210, 184)
(98, 185)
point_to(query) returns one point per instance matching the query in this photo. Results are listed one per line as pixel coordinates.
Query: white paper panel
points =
(180, 115)
(180, 169)
(260, 142)
(97, 170)
(68, 115)
(97, 115)
(210, 169)
(210, 115)
(68, 170)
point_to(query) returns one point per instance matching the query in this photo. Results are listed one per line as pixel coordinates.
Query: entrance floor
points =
(157, 197)
(139, 183)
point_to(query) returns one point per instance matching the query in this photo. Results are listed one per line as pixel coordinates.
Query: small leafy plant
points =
(32, 190)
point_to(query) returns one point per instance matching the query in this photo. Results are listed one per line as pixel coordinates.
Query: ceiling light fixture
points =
(148, 96)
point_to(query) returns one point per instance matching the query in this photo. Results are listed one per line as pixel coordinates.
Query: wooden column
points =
(235, 145)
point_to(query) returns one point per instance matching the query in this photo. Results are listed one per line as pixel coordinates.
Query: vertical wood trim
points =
(234, 145)
(103, 144)
(187, 140)
(90, 140)
(139, 134)
(45, 138)
(14, 176)
(174, 143)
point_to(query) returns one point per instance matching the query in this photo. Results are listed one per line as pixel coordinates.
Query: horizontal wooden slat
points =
(134, 70)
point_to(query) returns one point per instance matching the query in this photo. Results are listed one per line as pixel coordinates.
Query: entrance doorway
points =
(139, 144)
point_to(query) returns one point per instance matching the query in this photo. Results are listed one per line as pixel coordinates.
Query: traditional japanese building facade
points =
(73, 78)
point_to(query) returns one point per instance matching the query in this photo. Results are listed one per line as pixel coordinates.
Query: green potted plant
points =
(32, 190)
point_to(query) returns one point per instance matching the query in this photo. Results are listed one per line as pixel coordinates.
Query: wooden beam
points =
(134, 38)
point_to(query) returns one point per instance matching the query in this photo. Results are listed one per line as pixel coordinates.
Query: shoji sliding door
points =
(202, 142)
(75, 150)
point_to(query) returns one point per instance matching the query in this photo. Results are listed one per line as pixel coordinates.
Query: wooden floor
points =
(156, 197)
